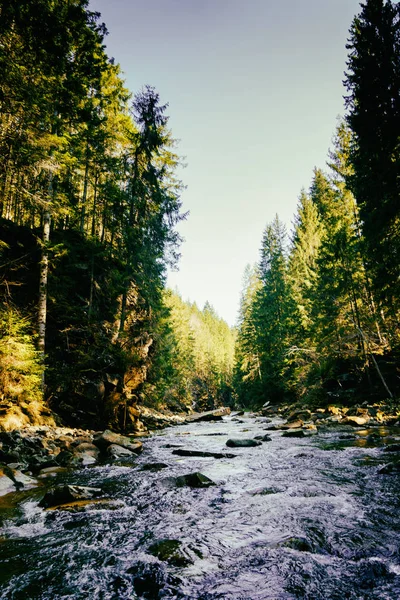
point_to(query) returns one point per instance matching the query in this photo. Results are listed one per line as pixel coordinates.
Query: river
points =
(307, 518)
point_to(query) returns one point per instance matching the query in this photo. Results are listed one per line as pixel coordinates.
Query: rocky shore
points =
(32, 456)
(35, 453)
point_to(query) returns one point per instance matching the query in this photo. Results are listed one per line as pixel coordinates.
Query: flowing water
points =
(306, 518)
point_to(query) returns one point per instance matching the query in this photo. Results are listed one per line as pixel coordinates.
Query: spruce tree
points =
(373, 103)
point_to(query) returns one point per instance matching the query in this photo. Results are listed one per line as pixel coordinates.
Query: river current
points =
(295, 518)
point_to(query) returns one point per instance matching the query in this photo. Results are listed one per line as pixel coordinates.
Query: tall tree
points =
(373, 103)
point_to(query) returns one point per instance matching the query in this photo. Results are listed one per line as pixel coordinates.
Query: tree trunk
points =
(44, 269)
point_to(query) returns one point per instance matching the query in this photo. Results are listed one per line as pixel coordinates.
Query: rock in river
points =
(66, 494)
(158, 466)
(199, 453)
(392, 448)
(114, 451)
(107, 437)
(293, 433)
(12, 480)
(87, 452)
(211, 415)
(393, 467)
(193, 480)
(170, 552)
(242, 443)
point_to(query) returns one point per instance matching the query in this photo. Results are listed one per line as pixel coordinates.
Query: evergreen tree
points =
(373, 103)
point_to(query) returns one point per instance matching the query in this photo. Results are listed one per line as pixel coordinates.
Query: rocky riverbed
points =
(276, 505)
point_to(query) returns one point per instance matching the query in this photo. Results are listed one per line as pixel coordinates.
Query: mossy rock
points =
(170, 552)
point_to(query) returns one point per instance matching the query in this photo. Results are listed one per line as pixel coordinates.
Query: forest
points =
(90, 200)
(319, 317)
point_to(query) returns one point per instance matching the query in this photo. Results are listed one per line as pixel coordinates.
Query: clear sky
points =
(254, 90)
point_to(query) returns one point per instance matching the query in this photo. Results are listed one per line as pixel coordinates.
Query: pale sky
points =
(254, 90)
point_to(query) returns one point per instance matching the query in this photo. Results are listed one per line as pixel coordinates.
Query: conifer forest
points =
(90, 201)
(149, 449)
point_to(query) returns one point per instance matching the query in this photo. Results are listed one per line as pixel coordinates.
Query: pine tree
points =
(373, 103)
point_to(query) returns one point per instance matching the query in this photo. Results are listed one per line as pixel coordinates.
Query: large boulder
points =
(301, 414)
(106, 438)
(114, 451)
(87, 453)
(211, 415)
(356, 421)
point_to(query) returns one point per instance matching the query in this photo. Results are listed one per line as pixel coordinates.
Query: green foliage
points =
(73, 151)
(309, 326)
(193, 366)
(266, 323)
(373, 84)
(21, 369)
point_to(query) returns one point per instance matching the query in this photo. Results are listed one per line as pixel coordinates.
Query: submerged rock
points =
(68, 493)
(200, 453)
(298, 433)
(300, 544)
(170, 552)
(390, 468)
(263, 438)
(265, 491)
(154, 466)
(392, 448)
(242, 443)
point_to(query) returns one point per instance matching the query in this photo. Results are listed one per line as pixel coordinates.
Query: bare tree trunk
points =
(123, 313)
(85, 188)
(94, 205)
(44, 269)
